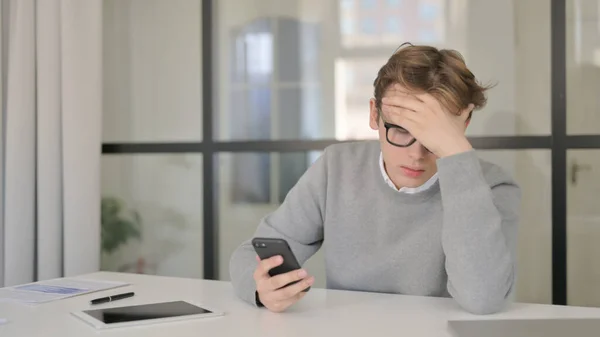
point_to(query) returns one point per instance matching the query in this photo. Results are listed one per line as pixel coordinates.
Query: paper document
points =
(52, 290)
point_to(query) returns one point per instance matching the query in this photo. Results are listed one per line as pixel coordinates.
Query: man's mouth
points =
(411, 172)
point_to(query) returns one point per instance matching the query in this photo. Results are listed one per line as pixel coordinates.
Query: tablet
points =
(151, 313)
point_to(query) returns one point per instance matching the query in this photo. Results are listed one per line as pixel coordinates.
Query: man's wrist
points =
(451, 149)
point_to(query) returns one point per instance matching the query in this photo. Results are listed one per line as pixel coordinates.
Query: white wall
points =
(153, 80)
(490, 54)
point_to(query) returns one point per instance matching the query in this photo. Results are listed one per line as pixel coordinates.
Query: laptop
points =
(555, 327)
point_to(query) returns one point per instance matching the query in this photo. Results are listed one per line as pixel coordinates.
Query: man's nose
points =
(417, 151)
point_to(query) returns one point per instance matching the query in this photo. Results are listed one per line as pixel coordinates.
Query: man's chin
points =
(411, 182)
(415, 185)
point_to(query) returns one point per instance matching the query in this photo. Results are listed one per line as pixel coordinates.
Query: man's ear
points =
(373, 115)
(469, 112)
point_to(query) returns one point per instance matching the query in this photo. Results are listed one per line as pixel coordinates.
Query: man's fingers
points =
(405, 100)
(282, 280)
(290, 301)
(280, 300)
(293, 290)
(401, 117)
(398, 90)
(262, 271)
(280, 306)
(301, 295)
(420, 102)
(394, 111)
(430, 101)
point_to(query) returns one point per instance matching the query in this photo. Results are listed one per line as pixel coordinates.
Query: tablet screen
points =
(146, 311)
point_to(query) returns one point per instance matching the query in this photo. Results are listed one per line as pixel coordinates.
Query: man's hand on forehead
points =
(398, 90)
(425, 118)
(400, 99)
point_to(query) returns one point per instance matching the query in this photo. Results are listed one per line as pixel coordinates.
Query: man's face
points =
(408, 166)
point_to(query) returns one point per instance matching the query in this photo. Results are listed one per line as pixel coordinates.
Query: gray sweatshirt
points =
(457, 238)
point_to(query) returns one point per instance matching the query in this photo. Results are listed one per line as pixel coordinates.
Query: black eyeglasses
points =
(398, 136)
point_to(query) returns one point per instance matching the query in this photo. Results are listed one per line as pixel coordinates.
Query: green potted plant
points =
(117, 224)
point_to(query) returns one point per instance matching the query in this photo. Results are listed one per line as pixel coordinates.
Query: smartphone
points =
(269, 247)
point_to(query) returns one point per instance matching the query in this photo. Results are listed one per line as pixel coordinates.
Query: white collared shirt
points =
(409, 190)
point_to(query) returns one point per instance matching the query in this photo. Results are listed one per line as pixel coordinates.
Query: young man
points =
(414, 213)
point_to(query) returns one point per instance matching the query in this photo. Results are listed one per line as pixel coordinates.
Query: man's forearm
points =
(479, 234)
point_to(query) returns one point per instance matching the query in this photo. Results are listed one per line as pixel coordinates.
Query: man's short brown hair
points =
(439, 72)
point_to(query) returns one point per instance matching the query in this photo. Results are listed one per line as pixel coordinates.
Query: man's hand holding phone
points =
(275, 292)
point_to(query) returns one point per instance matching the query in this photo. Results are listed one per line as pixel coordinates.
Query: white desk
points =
(321, 313)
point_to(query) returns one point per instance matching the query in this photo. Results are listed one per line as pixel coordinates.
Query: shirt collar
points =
(408, 190)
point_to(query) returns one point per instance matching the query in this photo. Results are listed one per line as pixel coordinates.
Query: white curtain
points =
(51, 105)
